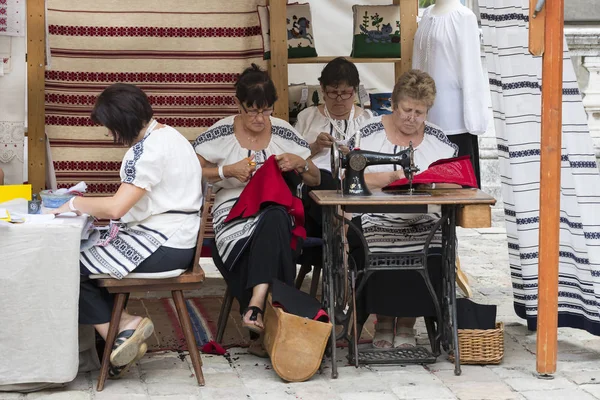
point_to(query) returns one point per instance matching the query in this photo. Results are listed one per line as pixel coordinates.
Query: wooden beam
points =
(552, 78)
(36, 46)
(278, 65)
(409, 9)
(537, 25)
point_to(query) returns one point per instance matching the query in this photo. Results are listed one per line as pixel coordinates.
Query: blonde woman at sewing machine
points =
(397, 296)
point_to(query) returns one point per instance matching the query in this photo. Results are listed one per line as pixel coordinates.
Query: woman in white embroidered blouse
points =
(252, 251)
(157, 205)
(400, 294)
(336, 120)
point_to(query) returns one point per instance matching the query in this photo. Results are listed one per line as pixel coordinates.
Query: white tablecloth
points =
(39, 293)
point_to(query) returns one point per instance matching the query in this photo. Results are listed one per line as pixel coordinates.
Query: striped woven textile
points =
(185, 54)
(515, 82)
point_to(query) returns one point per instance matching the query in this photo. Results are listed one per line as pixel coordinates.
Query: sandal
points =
(253, 317)
(384, 332)
(127, 344)
(405, 338)
(115, 372)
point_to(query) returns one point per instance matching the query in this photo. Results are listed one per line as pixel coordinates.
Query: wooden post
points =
(409, 9)
(536, 29)
(278, 64)
(552, 74)
(36, 46)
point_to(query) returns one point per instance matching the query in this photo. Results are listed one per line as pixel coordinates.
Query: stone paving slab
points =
(241, 376)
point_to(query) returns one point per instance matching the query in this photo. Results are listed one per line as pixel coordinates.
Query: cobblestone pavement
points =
(242, 376)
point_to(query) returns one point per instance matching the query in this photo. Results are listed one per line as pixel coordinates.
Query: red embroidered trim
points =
(90, 100)
(156, 54)
(136, 77)
(87, 165)
(151, 31)
(174, 122)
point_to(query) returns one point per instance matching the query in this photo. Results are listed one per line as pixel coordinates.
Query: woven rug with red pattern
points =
(185, 54)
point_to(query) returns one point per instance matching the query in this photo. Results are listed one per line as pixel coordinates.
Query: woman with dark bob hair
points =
(154, 215)
(335, 121)
(257, 249)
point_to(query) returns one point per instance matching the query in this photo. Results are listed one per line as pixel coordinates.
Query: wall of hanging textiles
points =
(184, 54)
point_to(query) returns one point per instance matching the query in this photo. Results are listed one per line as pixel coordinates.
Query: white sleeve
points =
(475, 103)
(300, 125)
(143, 165)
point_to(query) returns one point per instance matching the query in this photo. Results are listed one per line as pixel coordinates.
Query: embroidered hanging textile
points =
(515, 82)
(186, 55)
(12, 17)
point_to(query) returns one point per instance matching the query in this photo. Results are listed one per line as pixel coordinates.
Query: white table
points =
(39, 296)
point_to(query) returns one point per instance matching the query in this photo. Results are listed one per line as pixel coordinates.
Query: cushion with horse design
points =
(376, 31)
(301, 42)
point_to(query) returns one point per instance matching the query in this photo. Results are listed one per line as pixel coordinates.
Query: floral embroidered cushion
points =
(376, 31)
(301, 42)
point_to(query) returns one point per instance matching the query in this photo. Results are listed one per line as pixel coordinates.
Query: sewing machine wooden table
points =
(469, 208)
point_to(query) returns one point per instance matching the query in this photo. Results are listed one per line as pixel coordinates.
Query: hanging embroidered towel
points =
(12, 17)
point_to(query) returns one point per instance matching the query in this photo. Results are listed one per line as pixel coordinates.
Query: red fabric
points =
(213, 347)
(457, 170)
(268, 186)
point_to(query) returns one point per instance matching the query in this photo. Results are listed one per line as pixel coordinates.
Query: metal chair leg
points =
(224, 315)
(186, 326)
(110, 338)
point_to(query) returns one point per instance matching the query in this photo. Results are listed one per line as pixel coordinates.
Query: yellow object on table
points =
(11, 192)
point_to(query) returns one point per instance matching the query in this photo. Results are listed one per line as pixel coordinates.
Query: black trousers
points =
(396, 293)
(468, 145)
(313, 213)
(268, 255)
(95, 303)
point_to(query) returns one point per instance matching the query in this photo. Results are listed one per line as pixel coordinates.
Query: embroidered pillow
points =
(381, 103)
(301, 42)
(376, 31)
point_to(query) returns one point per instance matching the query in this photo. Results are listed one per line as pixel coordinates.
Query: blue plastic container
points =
(52, 200)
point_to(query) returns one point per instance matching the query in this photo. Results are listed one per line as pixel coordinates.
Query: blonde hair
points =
(415, 85)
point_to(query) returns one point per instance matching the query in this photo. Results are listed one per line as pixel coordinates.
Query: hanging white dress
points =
(447, 47)
(515, 82)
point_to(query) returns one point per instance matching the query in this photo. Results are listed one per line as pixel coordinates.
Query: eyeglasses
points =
(334, 95)
(254, 113)
(407, 116)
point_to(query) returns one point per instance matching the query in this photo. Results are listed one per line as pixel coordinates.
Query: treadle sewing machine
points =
(356, 161)
(340, 273)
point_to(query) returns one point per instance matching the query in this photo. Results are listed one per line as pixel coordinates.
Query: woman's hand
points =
(62, 209)
(241, 170)
(324, 140)
(290, 162)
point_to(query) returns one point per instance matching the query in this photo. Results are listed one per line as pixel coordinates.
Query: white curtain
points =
(515, 82)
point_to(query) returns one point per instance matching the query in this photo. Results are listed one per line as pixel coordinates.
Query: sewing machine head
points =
(356, 161)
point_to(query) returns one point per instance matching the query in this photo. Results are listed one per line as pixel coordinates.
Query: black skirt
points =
(396, 293)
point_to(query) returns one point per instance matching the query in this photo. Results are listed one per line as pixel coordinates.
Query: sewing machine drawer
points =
(474, 216)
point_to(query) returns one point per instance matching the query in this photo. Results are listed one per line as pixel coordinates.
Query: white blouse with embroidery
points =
(447, 47)
(311, 122)
(165, 165)
(219, 146)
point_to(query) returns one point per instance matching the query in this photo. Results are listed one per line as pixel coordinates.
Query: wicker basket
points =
(481, 346)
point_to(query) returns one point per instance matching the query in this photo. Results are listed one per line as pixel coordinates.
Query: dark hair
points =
(338, 71)
(124, 109)
(254, 87)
